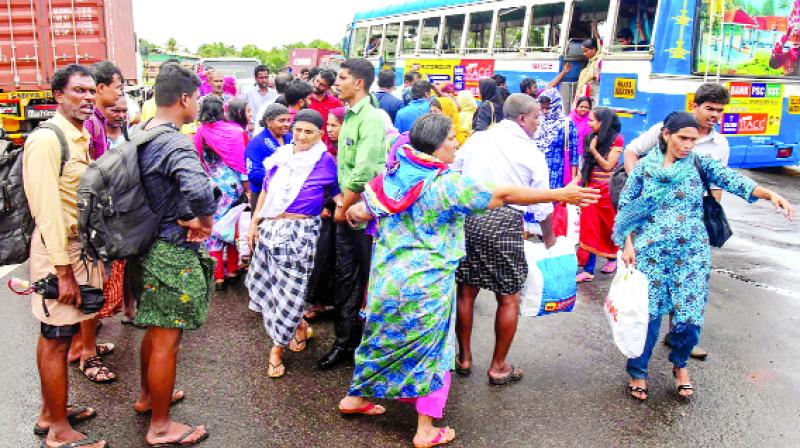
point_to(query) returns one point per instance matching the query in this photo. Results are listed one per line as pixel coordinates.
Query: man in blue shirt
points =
(388, 102)
(419, 106)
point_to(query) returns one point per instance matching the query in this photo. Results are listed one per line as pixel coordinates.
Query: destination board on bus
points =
(749, 38)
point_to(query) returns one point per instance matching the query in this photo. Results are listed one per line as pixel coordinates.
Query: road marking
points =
(4, 270)
(744, 279)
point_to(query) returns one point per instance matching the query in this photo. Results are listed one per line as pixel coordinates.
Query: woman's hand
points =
(252, 235)
(629, 253)
(781, 204)
(325, 213)
(593, 146)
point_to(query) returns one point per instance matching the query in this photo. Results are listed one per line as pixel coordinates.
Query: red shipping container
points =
(37, 37)
(301, 58)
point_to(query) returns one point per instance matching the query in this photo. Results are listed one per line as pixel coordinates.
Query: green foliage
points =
(146, 47)
(172, 45)
(769, 8)
(275, 58)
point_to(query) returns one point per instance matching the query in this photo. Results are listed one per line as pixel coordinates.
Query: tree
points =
(217, 50)
(769, 8)
(146, 47)
(172, 45)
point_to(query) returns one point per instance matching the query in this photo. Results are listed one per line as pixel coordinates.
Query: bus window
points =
(545, 30)
(410, 31)
(634, 25)
(588, 19)
(510, 22)
(430, 35)
(453, 30)
(359, 42)
(374, 43)
(390, 41)
(480, 27)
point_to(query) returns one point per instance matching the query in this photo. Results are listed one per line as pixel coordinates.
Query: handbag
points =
(619, 177)
(717, 226)
(92, 299)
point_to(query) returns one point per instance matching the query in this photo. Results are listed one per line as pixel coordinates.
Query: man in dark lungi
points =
(503, 155)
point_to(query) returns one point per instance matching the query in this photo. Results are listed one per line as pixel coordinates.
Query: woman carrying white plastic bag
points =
(627, 311)
(660, 223)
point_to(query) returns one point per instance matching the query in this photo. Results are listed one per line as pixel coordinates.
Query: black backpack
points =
(16, 221)
(115, 220)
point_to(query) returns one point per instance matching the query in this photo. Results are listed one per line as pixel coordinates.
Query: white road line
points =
(6, 269)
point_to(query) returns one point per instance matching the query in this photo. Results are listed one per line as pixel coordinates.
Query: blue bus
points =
(750, 45)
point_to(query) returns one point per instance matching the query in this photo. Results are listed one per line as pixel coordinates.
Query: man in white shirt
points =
(503, 155)
(262, 95)
(709, 101)
(281, 81)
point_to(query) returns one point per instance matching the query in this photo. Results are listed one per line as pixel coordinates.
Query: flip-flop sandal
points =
(75, 414)
(76, 444)
(683, 387)
(361, 411)
(638, 390)
(438, 440)
(92, 363)
(179, 440)
(463, 371)
(300, 344)
(177, 397)
(131, 322)
(272, 370)
(516, 374)
(105, 349)
(609, 268)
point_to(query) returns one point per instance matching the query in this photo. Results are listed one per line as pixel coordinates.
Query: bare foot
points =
(75, 414)
(428, 437)
(177, 432)
(638, 389)
(143, 405)
(358, 405)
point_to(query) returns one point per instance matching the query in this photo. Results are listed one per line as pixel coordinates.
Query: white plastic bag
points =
(550, 286)
(243, 229)
(225, 227)
(573, 223)
(627, 310)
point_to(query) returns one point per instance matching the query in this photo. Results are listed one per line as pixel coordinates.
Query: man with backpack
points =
(51, 177)
(84, 348)
(174, 278)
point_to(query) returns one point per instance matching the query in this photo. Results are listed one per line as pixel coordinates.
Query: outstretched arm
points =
(572, 194)
(557, 80)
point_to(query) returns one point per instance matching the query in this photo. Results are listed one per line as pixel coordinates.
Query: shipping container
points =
(37, 37)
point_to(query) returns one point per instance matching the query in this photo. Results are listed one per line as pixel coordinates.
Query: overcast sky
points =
(265, 23)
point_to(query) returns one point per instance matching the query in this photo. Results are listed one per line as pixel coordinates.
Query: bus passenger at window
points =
(373, 46)
(625, 38)
(589, 78)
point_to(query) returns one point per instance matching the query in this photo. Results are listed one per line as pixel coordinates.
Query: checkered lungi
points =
(280, 267)
(495, 253)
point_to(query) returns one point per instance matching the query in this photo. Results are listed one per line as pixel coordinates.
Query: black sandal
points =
(683, 387)
(75, 414)
(463, 371)
(516, 374)
(92, 363)
(639, 390)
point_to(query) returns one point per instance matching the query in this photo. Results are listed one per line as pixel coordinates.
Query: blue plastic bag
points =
(550, 287)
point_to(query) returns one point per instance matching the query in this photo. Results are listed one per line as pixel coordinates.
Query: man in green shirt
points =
(362, 155)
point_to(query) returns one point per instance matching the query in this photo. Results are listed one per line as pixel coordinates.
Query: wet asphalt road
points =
(572, 395)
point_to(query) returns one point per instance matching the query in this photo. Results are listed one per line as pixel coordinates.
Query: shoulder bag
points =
(717, 226)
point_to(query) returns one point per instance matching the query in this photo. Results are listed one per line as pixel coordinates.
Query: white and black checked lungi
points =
(280, 267)
(495, 253)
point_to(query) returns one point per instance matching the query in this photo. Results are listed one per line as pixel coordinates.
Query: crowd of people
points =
(393, 207)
